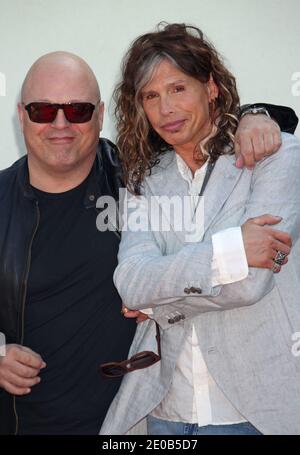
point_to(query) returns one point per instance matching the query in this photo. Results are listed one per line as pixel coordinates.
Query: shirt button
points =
(91, 197)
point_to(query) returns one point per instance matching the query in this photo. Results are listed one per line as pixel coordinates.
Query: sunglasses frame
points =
(123, 365)
(57, 106)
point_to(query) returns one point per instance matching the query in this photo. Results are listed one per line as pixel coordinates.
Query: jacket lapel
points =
(167, 181)
(220, 185)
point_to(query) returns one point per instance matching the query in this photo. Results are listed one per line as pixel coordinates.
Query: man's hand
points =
(19, 369)
(262, 243)
(140, 317)
(257, 136)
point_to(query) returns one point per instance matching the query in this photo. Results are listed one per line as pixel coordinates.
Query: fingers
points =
(279, 246)
(247, 151)
(24, 371)
(262, 220)
(283, 238)
(269, 146)
(258, 145)
(29, 358)
(272, 142)
(20, 382)
(266, 144)
(239, 160)
(267, 219)
(256, 137)
(131, 314)
(19, 369)
(285, 261)
(15, 390)
(276, 268)
(140, 317)
(263, 243)
(277, 140)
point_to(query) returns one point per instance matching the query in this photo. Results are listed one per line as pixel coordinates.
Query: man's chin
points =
(62, 161)
(62, 166)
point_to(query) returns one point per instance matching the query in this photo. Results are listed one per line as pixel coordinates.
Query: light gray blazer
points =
(245, 329)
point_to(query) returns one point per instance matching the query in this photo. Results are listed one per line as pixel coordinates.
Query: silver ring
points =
(280, 257)
(276, 267)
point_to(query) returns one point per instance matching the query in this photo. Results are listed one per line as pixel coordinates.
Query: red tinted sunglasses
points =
(40, 112)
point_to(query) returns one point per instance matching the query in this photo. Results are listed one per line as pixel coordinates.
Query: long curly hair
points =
(185, 46)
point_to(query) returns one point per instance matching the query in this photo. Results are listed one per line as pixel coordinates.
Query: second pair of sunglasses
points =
(41, 112)
(139, 361)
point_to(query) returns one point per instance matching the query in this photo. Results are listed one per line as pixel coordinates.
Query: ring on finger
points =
(280, 257)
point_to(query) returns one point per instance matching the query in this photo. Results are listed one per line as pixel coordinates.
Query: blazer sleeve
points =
(284, 116)
(145, 278)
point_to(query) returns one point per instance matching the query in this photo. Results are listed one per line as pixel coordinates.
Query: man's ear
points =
(21, 115)
(101, 114)
(213, 89)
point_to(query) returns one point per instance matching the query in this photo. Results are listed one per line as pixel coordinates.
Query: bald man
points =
(59, 310)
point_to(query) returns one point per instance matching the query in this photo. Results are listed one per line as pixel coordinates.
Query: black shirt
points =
(72, 318)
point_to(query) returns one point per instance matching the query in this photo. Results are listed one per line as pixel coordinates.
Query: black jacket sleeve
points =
(284, 116)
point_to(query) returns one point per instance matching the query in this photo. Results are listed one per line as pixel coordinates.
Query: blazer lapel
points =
(223, 179)
(168, 182)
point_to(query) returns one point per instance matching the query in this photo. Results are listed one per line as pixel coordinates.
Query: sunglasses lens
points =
(79, 112)
(143, 360)
(113, 370)
(41, 112)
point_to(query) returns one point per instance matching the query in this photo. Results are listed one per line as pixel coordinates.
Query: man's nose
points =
(60, 120)
(166, 105)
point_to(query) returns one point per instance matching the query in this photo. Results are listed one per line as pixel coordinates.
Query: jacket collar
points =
(100, 180)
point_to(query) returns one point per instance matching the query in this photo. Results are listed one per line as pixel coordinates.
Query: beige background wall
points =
(260, 39)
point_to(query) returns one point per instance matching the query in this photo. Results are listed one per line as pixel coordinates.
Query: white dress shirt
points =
(194, 397)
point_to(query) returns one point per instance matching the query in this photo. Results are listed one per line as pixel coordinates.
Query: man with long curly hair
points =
(223, 307)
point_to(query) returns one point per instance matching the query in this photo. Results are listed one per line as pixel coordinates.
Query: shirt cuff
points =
(147, 311)
(229, 262)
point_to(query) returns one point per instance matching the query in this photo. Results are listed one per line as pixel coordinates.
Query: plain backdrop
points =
(260, 40)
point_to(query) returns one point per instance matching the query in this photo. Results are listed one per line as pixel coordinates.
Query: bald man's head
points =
(57, 69)
(60, 145)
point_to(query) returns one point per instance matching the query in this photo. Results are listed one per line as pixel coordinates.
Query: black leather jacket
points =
(19, 213)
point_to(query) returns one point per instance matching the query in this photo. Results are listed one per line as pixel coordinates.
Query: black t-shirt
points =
(72, 318)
